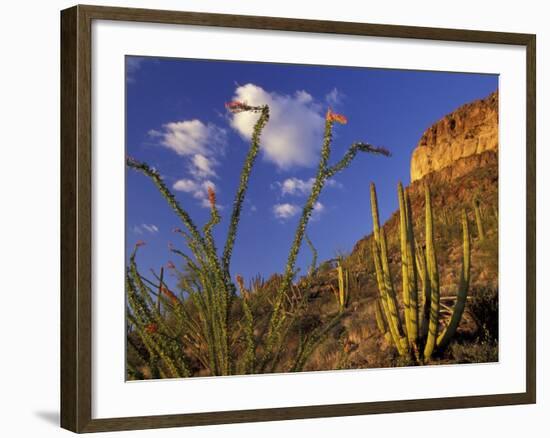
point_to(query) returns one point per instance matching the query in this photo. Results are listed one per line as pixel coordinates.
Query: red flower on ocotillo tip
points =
(211, 197)
(169, 294)
(335, 117)
(237, 106)
(240, 280)
(151, 328)
(170, 265)
(140, 243)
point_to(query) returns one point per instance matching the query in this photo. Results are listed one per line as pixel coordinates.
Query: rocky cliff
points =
(458, 139)
(458, 158)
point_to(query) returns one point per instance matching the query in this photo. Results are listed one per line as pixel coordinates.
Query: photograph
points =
(282, 218)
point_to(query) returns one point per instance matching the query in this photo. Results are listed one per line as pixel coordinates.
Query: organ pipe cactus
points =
(433, 277)
(420, 336)
(384, 278)
(479, 220)
(445, 337)
(342, 294)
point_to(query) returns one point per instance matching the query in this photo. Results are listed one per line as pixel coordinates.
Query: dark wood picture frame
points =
(76, 217)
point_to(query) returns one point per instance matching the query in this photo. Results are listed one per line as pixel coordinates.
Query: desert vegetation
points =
(390, 302)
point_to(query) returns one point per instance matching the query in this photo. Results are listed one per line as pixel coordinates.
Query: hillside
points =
(458, 158)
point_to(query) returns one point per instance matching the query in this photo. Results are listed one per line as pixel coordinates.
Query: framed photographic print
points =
(267, 219)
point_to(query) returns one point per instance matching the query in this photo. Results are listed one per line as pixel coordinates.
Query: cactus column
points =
(433, 276)
(408, 268)
(385, 282)
(421, 329)
(445, 337)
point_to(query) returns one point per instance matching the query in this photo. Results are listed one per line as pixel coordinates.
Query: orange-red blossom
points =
(237, 106)
(335, 117)
(211, 197)
(151, 328)
(169, 294)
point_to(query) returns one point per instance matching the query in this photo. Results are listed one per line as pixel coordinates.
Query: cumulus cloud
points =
(285, 211)
(200, 144)
(299, 187)
(185, 185)
(296, 186)
(334, 97)
(149, 228)
(318, 209)
(191, 137)
(198, 189)
(203, 166)
(294, 132)
(133, 64)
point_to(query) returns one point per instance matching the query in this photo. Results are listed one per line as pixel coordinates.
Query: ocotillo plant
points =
(204, 324)
(314, 255)
(420, 336)
(325, 171)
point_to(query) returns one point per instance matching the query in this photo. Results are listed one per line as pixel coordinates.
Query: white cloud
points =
(296, 186)
(185, 185)
(294, 133)
(199, 190)
(202, 166)
(335, 97)
(285, 211)
(150, 228)
(133, 64)
(318, 209)
(303, 96)
(191, 137)
(201, 145)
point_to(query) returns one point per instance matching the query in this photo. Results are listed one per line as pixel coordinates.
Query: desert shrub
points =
(211, 326)
(488, 253)
(483, 307)
(326, 266)
(475, 352)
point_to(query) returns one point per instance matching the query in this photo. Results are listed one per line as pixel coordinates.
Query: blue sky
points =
(176, 122)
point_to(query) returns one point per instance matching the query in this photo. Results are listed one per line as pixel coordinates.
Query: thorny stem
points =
(165, 192)
(323, 173)
(243, 185)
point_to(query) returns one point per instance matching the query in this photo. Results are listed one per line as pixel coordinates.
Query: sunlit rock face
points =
(459, 139)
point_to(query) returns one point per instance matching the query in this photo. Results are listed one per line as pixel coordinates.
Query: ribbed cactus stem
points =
(385, 283)
(433, 276)
(426, 292)
(479, 221)
(391, 314)
(413, 274)
(445, 337)
(380, 320)
(404, 261)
